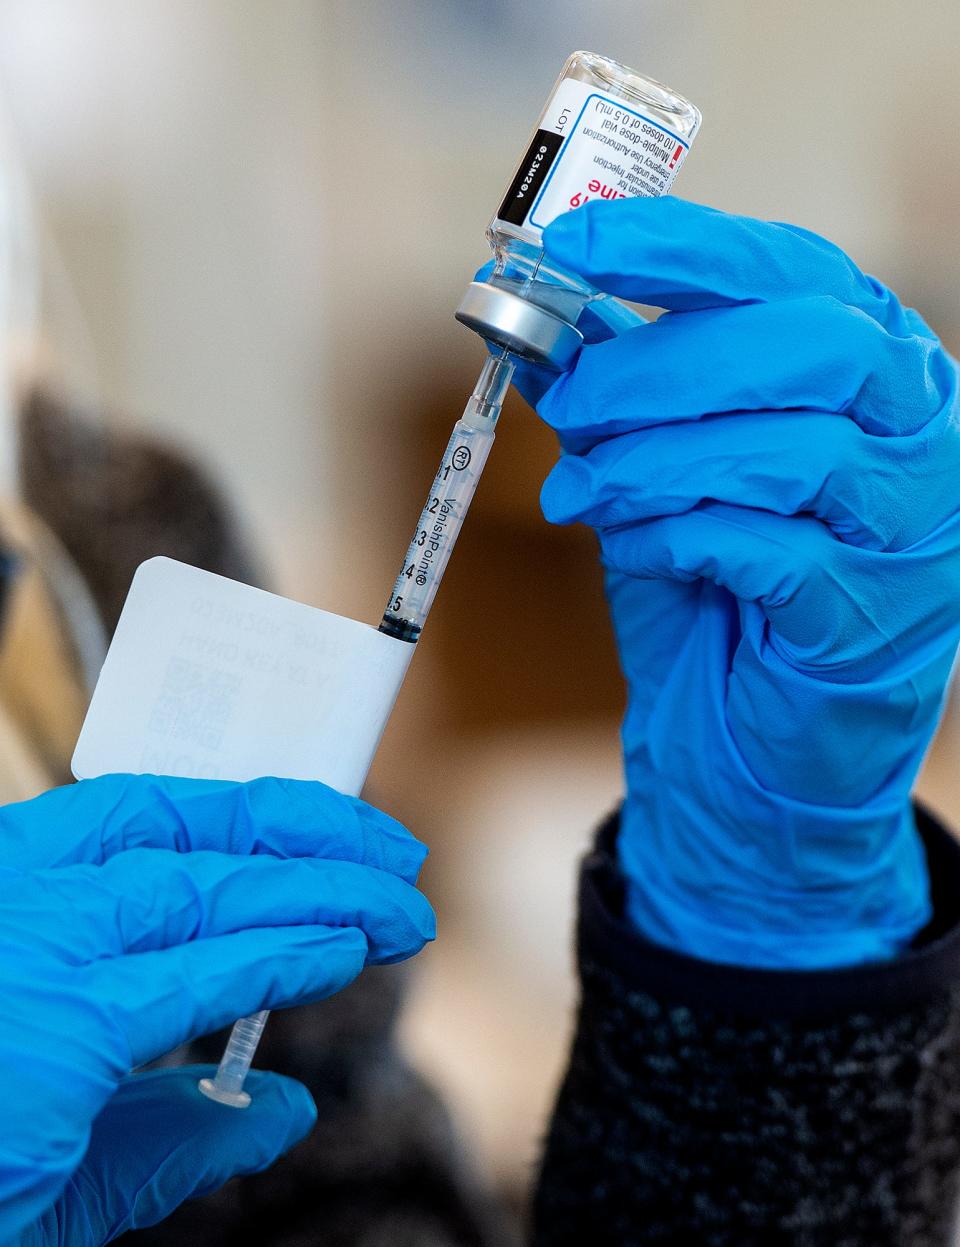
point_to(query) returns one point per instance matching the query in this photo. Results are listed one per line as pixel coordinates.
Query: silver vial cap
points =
(523, 328)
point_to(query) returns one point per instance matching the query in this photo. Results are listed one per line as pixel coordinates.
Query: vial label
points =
(590, 146)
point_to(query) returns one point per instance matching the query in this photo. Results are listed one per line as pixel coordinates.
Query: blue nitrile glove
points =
(158, 1142)
(137, 913)
(772, 468)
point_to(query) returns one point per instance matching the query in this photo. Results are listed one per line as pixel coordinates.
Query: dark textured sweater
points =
(727, 1107)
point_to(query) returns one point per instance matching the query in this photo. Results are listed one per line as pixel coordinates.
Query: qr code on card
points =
(195, 704)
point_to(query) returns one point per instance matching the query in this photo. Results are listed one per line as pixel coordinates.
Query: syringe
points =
(449, 500)
(410, 600)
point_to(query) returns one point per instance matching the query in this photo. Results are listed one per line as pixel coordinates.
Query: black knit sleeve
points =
(726, 1107)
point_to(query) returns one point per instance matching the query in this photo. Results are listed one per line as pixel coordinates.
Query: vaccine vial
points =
(606, 132)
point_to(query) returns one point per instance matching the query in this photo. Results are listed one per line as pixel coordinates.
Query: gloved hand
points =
(772, 468)
(138, 912)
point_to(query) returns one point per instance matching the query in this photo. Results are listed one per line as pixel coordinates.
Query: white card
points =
(209, 678)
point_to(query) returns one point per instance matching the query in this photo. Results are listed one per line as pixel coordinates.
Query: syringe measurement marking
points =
(433, 539)
(444, 508)
(430, 538)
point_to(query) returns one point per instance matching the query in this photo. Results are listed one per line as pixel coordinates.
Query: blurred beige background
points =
(257, 221)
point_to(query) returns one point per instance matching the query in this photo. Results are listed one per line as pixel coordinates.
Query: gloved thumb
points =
(159, 1141)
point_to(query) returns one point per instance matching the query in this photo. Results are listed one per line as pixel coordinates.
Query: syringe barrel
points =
(437, 530)
(446, 507)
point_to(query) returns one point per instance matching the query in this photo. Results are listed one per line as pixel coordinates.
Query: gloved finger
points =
(685, 256)
(147, 899)
(599, 322)
(159, 1141)
(812, 353)
(92, 820)
(159, 1000)
(883, 493)
(837, 610)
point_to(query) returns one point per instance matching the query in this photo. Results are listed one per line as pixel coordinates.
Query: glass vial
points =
(606, 132)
